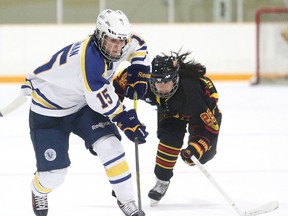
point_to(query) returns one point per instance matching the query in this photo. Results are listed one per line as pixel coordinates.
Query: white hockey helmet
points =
(113, 24)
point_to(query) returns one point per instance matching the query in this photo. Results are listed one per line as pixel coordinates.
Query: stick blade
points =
(271, 206)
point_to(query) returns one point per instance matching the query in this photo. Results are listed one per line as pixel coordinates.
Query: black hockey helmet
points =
(164, 69)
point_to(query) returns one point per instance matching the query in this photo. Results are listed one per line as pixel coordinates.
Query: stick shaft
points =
(259, 210)
(16, 103)
(217, 186)
(135, 98)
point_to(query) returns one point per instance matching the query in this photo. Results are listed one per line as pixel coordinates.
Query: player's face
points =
(112, 46)
(164, 88)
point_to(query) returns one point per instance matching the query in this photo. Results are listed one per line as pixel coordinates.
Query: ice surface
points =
(251, 164)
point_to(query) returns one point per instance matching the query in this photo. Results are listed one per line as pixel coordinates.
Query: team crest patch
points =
(50, 154)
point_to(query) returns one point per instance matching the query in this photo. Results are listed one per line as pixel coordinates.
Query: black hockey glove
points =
(128, 122)
(137, 80)
(194, 148)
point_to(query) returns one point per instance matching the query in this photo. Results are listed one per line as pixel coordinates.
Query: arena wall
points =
(227, 50)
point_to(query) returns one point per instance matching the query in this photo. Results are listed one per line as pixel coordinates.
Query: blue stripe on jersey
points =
(94, 67)
(140, 41)
(39, 98)
(27, 84)
(139, 55)
(114, 109)
(114, 159)
(143, 48)
(45, 107)
(46, 99)
(38, 104)
(120, 180)
(137, 59)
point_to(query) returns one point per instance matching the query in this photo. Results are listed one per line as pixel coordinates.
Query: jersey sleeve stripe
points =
(116, 110)
(138, 55)
(83, 64)
(93, 67)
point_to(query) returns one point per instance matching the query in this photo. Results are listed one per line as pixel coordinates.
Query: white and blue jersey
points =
(78, 75)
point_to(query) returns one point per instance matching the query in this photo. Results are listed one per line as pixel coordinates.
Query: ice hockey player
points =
(73, 93)
(185, 98)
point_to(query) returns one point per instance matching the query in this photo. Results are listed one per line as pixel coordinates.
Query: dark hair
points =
(189, 67)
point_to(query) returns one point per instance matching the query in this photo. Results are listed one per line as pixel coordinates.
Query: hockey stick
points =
(16, 103)
(135, 98)
(259, 210)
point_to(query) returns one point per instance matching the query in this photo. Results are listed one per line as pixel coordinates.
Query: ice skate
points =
(129, 209)
(40, 205)
(157, 192)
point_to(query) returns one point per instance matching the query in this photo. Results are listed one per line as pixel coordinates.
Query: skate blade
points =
(153, 203)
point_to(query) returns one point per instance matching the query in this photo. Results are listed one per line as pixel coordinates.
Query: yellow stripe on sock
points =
(117, 169)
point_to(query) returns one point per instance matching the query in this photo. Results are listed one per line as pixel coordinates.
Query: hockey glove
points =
(128, 122)
(194, 148)
(137, 80)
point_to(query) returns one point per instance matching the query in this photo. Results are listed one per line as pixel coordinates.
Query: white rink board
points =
(222, 48)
